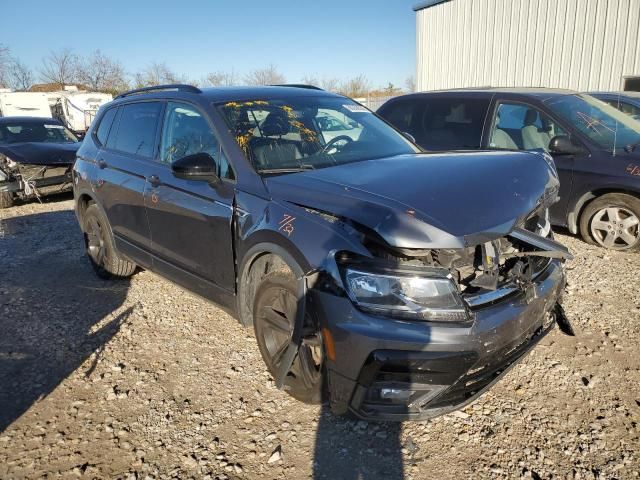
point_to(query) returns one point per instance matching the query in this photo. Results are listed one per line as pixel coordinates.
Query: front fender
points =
(305, 241)
(307, 237)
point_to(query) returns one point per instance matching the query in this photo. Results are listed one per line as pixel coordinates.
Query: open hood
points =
(31, 153)
(450, 200)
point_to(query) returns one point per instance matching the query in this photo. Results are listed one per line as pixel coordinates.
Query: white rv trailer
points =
(24, 104)
(77, 109)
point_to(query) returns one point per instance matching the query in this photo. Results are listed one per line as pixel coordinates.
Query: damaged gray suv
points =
(394, 284)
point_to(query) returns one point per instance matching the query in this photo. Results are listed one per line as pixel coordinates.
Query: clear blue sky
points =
(330, 38)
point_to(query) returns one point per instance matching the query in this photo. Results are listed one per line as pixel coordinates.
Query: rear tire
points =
(6, 199)
(274, 313)
(104, 258)
(612, 221)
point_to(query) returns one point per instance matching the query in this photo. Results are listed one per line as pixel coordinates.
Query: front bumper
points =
(389, 369)
(18, 185)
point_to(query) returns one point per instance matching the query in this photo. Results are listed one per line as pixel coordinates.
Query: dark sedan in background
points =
(36, 156)
(627, 102)
(596, 148)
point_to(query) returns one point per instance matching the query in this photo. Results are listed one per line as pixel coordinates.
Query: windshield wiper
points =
(301, 168)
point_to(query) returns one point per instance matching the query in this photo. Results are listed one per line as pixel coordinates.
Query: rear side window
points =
(105, 125)
(440, 123)
(453, 123)
(137, 128)
(400, 114)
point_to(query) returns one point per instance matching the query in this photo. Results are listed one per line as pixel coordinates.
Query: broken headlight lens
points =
(420, 298)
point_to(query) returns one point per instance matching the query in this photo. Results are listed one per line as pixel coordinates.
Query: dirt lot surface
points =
(140, 379)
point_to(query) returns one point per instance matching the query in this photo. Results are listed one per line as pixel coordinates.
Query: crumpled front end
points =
(402, 364)
(28, 181)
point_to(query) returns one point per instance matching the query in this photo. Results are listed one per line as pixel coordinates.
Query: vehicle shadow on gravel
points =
(356, 450)
(54, 311)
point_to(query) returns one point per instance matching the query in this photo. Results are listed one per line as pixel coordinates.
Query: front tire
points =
(104, 258)
(274, 314)
(612, 221)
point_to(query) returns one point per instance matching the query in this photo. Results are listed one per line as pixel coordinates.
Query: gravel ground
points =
(140, 379)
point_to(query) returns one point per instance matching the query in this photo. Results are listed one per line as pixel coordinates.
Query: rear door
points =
(190, 221)
(123, 160)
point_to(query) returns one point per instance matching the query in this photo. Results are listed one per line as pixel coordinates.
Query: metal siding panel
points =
(558, 48)
(548, 49)
(512, 40)
(609, 70)
(631, 63)
(538, 48)
(579, 44)
(597, 51)
(522, 44)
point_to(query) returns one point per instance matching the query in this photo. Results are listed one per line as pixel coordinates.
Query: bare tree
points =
(265, 76)
(330, 84)
(60, 67)
(19, 75)
(157, 74)
(102, 73)
(222, 79)
(355, 87)
(391, 89)
(410, 83)
(5, 61)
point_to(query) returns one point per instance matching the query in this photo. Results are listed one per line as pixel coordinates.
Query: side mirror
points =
(410, 137)
(562, 145)
(199, 166)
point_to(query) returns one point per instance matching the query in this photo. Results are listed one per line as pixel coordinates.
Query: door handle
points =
(102, 164)
(154, 180)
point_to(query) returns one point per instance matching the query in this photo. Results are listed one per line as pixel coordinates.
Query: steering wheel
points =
(335, 140)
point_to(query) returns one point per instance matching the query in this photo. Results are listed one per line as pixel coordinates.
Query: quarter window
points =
(105, 125)
(137, 128)
(186, 132)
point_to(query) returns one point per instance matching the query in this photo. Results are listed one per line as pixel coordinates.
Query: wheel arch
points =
(261, 259)
(573, 218)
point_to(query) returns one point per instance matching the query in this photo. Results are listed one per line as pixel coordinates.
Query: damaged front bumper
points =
(26, 188)
(392, 369)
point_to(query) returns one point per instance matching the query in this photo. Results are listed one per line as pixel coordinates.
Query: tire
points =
(274, 314)
(6, 199)
(612, 221)
(104, 258)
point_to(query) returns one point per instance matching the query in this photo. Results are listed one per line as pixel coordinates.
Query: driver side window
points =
(186, 132)
(522, 127)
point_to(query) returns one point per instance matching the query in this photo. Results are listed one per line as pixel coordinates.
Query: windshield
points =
(284, 135)
(46, 132)
(608, 127)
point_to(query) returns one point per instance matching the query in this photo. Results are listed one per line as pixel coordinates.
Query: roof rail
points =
(297, 85)
(158, 88)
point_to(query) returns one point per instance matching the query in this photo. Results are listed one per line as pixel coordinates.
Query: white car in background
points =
(332, 127)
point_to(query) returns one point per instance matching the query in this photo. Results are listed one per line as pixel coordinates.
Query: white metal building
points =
(575, 44)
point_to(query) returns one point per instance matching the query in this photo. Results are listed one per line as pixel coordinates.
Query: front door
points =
(190, 220)
(519, 126)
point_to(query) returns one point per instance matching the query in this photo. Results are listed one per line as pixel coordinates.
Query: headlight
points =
(408, 296)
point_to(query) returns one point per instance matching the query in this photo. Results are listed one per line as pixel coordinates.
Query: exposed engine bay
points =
(508, 263)
(28, 181)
